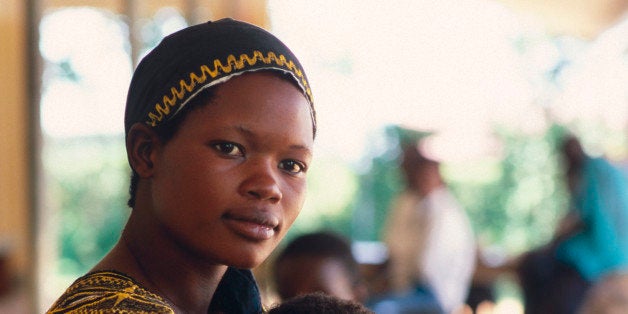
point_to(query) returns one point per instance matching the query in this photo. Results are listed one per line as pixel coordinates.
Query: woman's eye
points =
(292, 166)
(229, 149)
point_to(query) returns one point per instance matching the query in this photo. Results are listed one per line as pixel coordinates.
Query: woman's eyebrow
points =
(306, 149)
(302, 148)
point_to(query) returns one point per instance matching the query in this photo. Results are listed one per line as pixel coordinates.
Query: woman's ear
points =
(141, 142)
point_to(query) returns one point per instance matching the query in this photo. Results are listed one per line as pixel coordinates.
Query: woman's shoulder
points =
(108, 292)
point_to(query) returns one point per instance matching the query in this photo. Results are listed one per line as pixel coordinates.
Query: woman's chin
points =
(249, 262)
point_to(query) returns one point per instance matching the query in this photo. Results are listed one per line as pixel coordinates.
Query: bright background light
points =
(457, 67)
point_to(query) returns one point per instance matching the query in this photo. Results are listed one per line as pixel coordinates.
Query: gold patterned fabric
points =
(108, 292)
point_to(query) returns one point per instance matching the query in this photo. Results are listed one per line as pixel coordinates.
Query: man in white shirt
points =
(429, 236)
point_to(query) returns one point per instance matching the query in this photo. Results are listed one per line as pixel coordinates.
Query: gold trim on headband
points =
(162, 109)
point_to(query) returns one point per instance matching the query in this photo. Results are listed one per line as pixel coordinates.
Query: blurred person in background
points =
(591, 241)
(432, 248)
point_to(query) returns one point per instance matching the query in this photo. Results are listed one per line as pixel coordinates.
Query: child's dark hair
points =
(318, 302)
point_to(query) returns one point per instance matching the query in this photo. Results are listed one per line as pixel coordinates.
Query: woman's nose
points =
(261, 182)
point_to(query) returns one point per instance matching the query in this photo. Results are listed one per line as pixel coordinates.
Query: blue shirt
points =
(601, 201)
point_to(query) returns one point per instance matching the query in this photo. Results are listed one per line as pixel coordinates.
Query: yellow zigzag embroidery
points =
(162, 109)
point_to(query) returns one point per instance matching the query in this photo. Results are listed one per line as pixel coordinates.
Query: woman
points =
(219, 132)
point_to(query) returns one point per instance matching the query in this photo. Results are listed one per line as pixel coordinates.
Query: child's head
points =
(421, 173)
(318, 262)
(574, 158)
(220, 127)
(318, 302)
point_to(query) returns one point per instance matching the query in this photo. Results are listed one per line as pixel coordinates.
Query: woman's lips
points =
(256, 227)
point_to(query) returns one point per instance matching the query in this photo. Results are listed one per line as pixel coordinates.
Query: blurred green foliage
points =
(87, 181)
(331, 189)
(379, 181)
(519, 209)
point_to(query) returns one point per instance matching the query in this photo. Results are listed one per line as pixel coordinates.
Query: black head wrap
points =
(200, 56)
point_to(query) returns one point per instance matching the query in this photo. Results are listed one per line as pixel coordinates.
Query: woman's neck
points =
(153, 259)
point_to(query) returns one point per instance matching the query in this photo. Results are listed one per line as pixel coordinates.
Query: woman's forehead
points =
(239, 108)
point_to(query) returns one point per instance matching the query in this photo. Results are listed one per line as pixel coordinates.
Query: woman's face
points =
(231, 182)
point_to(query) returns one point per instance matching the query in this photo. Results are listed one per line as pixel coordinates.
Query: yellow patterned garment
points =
(108, 292)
